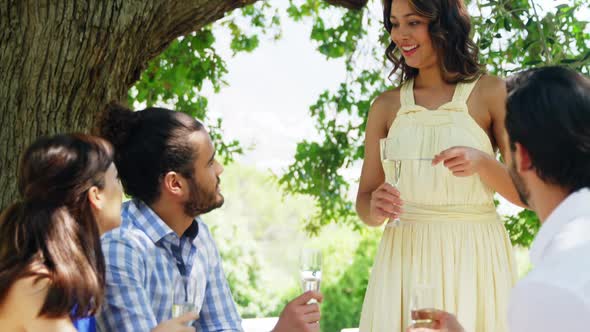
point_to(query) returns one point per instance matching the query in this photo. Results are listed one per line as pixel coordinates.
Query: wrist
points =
(485, 161)
(374, 221)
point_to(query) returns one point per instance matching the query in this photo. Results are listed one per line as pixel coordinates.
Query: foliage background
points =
(311, 197)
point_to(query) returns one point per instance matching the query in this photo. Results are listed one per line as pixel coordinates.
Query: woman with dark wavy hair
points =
(445, 123)
(52, 270)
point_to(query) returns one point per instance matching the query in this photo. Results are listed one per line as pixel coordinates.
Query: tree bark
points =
(61, 62)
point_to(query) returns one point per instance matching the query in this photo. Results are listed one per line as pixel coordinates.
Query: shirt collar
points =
(192, 231)
(152, 225)
(575, 205)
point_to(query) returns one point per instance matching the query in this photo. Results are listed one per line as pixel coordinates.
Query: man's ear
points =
(522, 159)
(173, 183)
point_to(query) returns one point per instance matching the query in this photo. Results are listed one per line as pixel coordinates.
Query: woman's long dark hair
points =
(51, 232)
(449, 27)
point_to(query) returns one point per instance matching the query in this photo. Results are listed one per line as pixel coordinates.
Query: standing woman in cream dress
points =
(450, 236)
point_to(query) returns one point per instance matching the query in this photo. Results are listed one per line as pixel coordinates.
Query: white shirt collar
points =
(574, 206)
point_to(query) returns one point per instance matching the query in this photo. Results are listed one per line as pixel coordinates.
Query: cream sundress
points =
(450, 235)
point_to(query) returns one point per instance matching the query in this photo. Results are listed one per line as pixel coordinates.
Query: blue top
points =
(143, 258)
(85, 324)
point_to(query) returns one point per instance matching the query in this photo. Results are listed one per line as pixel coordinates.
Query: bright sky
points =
(271, 89)
(266, 105)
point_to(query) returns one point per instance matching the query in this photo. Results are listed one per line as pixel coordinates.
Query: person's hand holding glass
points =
(423, 315)
(311, 270)
(392, 168)
(422, 306)
(186, 296)
(185, 306)
(442, 321)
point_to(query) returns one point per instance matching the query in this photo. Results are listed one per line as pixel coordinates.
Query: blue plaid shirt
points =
(144, 256)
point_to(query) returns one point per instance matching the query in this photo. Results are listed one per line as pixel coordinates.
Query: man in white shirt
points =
(548, 121)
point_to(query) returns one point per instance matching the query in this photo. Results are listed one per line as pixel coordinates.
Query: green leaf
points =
(509, 40)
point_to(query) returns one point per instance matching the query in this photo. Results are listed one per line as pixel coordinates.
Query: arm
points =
(126, 306)
(492, 172)
(466, 161)
(377, 201)
(219, 312)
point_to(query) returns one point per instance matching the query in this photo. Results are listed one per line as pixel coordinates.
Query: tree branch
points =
(350, 4)
(548, 59)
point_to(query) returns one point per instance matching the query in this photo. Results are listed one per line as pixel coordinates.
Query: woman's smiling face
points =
(411, 35)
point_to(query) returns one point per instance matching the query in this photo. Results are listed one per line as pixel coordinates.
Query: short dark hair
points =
(548, 112)
(449, 28)
(148, 144)
(53, 226)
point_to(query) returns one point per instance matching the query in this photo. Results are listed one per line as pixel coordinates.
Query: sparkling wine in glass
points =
(311, 270)
(185, 296)
(422, 306)
(392, 169)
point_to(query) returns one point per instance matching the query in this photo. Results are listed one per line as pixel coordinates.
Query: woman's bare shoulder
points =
(25, 298)
(24, 302)
(388, 102)
(28, 291)
(491, 87)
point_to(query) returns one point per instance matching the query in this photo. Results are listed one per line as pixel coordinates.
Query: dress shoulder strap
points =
(463, 90)
(406, 94)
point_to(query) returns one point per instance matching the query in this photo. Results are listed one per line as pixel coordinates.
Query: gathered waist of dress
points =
(422, 213)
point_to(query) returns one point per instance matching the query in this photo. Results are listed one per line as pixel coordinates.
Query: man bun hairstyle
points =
(148, 144)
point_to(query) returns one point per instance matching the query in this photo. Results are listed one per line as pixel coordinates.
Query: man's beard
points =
(200, 201)
(521, 188)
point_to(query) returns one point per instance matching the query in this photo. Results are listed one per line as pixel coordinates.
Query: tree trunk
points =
(62, 61)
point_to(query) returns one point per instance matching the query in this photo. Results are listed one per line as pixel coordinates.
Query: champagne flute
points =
(311, 270)
(422, 306)
(185, 296)
(392, 169)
